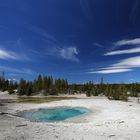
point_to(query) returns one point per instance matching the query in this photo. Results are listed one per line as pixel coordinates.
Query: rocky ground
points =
(113, 120)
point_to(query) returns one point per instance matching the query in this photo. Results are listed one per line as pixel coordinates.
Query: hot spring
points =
(52, 115)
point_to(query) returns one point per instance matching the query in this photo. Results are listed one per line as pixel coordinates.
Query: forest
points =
(47, 85)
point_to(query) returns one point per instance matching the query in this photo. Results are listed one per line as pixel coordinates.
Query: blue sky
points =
(80, 40)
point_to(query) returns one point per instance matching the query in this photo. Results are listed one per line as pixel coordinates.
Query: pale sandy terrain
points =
(108, 120)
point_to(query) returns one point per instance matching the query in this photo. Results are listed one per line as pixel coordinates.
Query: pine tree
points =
(29, 89)
(22, 87)
(39, 83)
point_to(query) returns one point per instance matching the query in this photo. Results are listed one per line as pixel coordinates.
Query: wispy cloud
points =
(4, 54)
(131, 62)
(98, 45)
(110, 71)
(124, 65)
(11, 55)
(16, 71)
(41, 32)
(67, 53)
(128, 51)
(135, 41)
(55, 48)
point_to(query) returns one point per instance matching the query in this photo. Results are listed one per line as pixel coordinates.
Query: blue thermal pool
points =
(52, 115)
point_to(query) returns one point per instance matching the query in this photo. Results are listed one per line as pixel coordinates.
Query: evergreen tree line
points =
(112, 91)
(47, 85)
(8, 85)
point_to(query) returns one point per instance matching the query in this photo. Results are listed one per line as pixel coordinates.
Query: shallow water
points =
(53, 115)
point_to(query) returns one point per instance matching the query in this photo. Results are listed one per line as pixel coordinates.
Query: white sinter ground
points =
(113, 120)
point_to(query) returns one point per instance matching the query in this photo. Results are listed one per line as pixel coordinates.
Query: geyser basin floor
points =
(53, 115)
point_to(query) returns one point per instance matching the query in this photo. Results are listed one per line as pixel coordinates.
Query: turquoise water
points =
(53, 115)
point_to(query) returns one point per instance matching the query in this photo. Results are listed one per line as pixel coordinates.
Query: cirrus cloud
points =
(68, 53)
(131, 62)
(16, 71)
(124, 65)
(135, 41)
(118, 52)
(109, 71)
(6, 54)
